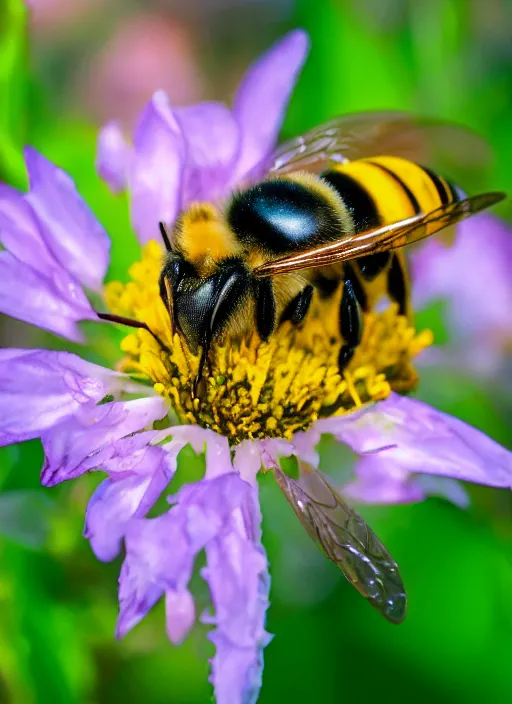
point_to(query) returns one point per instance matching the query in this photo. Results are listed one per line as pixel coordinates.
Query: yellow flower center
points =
(258, 389)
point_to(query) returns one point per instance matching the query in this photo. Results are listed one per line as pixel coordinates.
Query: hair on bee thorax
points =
(203, 238)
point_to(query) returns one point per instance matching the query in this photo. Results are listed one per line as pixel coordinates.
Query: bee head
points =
(202, 307)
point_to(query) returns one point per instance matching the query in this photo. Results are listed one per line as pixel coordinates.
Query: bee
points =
(335, 209)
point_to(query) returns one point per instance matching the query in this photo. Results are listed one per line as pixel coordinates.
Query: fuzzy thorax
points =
(260, 389)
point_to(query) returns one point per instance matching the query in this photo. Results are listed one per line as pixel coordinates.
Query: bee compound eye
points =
(193, 304)
(205, 307)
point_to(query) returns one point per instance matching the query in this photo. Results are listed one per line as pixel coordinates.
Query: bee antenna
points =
(165, 236)
(131, 323)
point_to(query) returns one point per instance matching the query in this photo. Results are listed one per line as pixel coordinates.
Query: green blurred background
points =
(65, 68)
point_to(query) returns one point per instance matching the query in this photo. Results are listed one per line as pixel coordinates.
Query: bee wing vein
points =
(346, 540)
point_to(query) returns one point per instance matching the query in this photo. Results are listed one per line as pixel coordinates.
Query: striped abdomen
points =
(381, 191)
(384, 190)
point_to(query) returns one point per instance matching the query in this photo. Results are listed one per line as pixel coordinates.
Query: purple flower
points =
(54, 248)
(479, 304)
(200, 152)
(265, 401)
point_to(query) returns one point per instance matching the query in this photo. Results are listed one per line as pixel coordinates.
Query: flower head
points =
(262, 401)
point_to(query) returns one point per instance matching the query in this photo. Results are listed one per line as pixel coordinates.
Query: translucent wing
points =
(380, 239)
(346, 540)
(443, 145)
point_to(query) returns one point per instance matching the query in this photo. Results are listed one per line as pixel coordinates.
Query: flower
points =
(262, 400)
(199, 153)
(472, 276)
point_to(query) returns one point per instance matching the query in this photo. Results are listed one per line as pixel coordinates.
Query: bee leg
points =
(351, 325)
(131, 323)
(265, 308)
(298, 307)
(360, 293)
(397, 288)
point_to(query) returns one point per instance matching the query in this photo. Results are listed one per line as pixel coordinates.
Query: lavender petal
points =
(89, 438)
(262, 99)
(70, 230)
(113, 155)
(156, 168)
(39, 389)
(414, 436)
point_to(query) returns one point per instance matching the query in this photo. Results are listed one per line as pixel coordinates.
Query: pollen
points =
(254, 389)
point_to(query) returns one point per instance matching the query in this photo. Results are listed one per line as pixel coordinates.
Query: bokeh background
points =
(65, 68)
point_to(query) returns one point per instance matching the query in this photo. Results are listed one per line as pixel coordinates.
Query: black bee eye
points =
(282, 216)
(175, 270)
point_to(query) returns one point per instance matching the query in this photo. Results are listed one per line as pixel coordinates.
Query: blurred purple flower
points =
(91, 418)
(473, 277)
(162, 55)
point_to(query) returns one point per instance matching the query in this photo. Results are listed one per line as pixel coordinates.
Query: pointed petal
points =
(236, 672)
(112, 157)
(212, 137)
(383, 483)
(56, 304)
(20, 232)
(418, 438)
(180, 614)
(263, 96)
(138, 593)
(138, 474)
(156, 168)
(160, 552)
(237, 574)
(444, 487)
(88, 439)
(39, 389)
(70, 230)
(116, 501)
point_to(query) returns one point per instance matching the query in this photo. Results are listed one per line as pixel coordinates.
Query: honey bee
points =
(335, 208)
(334, 211)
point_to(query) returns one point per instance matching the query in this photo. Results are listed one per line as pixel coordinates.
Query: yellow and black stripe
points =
(386, 189)
(381, 191)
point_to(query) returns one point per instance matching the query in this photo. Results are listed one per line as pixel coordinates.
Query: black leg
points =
(265, 308)
(397, 288)
(351, 325)
(131, 323)
(360, 293)
(298, 307)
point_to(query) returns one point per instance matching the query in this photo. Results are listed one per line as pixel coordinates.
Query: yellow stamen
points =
(257, 389)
